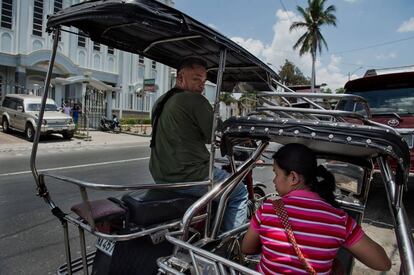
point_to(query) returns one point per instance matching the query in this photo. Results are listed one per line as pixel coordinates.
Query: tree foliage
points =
(340, 90)
(292, 75)
(227, 98)
(314, 17)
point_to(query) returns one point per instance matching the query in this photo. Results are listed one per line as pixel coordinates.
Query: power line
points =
(284, 8)
(374, 46)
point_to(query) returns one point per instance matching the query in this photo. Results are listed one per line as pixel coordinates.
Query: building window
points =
(6, 14)
(147, 103)
(141, 71)
(96, 46)
(38, 18)
(140, 59)
(130, 101)
(154, 65)
(111, 50)
(57, 6)
(154, 75)
(81, 39)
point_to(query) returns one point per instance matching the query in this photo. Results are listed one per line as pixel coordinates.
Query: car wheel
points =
(67, 135)
(30, 132)
(5, 124)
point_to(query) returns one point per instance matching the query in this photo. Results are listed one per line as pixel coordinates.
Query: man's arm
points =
(204, 115)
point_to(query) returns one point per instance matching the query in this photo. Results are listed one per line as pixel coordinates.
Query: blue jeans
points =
(235, 214)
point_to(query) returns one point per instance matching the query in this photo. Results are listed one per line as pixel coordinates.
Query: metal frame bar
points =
(42, 109)
(170, 40)
(356, 98)
(304, 98)
(83, 250)
(401, 225)
(314, 111)
(216, 110)
(233, 267)
(218, 189)
(110, 187)
(67, 246)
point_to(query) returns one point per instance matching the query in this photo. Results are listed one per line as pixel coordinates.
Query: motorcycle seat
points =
(148, 207)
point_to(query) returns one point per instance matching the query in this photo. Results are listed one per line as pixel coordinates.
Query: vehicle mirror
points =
(348, 177)
(20, 108)
(60, 109)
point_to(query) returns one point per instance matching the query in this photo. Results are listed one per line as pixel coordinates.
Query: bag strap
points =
(157, 112)
(280, 210)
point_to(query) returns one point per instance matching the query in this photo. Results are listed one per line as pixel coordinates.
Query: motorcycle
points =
(107, 124)
(150, 230)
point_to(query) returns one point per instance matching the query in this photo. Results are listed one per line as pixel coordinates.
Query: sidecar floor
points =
(147, 207)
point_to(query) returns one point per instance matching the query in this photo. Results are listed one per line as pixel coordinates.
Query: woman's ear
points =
(295, 178)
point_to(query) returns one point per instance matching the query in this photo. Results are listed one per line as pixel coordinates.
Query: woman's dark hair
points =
(299, 158)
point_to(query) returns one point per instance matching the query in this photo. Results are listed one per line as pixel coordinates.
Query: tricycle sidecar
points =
(195, 244)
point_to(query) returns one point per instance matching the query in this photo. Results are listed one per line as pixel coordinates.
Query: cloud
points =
(351, 1)
(331, 74)
(281, 48)
(283, 41)
(407, 26)
(254, 46)
(386, 56)
(212, 26)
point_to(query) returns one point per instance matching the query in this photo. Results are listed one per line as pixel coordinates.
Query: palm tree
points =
(314, 16)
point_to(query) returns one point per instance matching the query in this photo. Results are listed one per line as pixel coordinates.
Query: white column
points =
(83, 96)
(109, 104)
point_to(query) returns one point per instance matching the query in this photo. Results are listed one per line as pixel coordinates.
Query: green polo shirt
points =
(184, 129)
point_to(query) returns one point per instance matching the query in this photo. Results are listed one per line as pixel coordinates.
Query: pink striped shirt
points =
(319, 228)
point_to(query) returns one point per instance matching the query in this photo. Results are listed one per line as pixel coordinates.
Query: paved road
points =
(31, 240)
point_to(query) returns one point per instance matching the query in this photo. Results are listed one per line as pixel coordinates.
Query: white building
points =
(101, 80)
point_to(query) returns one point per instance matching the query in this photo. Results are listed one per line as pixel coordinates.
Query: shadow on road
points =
(20, 137)
(378, 212)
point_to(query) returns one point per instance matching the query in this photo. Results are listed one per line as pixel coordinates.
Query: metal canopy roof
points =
(163, 34)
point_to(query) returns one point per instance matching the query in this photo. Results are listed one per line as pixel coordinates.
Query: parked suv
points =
(20, 112)
(390, 96)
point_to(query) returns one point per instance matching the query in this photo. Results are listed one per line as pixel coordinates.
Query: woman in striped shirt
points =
(319, 227)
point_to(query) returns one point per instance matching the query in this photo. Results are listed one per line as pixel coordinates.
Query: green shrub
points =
(133, 120)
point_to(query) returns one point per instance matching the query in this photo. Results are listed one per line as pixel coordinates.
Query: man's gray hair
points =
(189, 62)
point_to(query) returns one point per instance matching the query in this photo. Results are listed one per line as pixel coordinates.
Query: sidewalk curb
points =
(136, 134)
(77, 142)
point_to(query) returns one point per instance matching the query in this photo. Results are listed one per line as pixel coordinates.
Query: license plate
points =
(409, 139)
(106, 246)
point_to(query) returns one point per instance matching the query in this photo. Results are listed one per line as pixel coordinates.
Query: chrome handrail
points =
(218, 188)
(111, 187)
(197, 253)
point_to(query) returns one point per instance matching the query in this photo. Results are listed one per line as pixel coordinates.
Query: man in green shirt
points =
(182, 124)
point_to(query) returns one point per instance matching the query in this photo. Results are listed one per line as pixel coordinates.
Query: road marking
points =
(73, 166)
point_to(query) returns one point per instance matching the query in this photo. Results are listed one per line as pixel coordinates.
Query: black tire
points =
(5, 125)
(29, 132)
(117, 129)
(67, 135)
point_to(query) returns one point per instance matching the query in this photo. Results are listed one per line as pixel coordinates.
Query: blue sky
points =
(369, 33)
